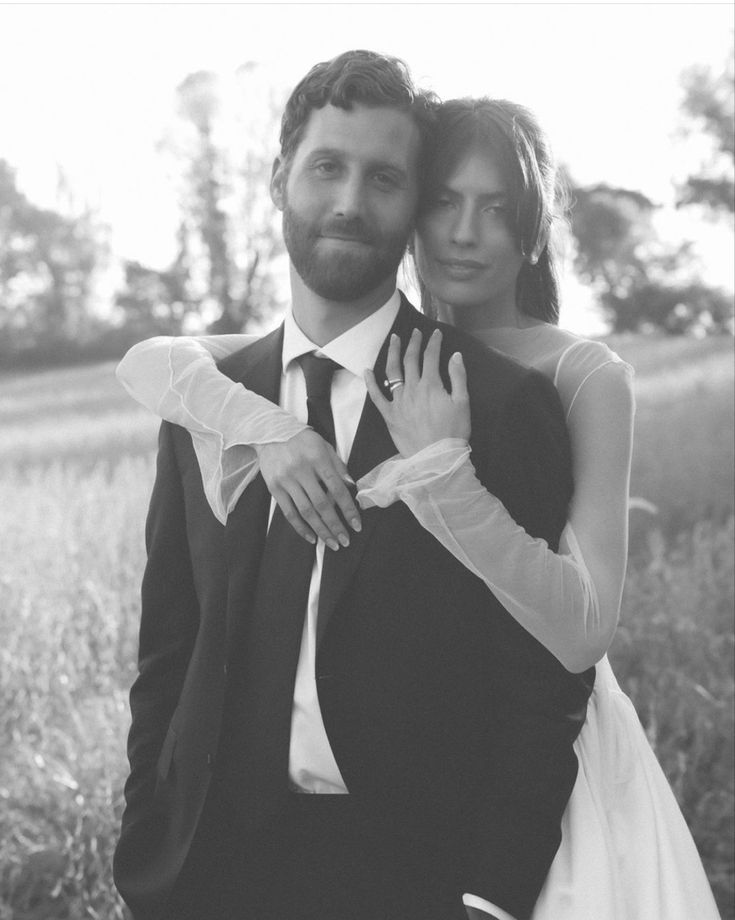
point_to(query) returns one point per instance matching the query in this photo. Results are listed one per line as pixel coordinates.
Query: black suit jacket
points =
(444, 715)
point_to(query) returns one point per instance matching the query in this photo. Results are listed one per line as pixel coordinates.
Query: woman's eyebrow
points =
(494, 197)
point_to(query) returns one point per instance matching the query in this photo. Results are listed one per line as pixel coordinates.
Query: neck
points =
(491, 315)
(322, 320)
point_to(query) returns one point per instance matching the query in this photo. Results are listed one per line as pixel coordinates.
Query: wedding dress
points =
(626, 852)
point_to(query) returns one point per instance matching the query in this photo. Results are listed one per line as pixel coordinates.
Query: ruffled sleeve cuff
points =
(393, 479)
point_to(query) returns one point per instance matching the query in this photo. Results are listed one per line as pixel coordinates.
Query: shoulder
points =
(576, 355)
(484, 362)
(585, 364)
(256, 351)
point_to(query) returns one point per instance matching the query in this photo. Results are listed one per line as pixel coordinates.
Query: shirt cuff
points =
(471, 900)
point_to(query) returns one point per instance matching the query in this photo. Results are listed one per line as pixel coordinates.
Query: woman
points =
(483, 253)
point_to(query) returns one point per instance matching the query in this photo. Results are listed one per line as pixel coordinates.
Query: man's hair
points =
(363, 77)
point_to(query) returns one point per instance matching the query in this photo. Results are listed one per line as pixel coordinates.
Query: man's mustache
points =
(354, 230)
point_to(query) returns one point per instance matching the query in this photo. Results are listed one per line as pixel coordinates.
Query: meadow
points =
(76, 467)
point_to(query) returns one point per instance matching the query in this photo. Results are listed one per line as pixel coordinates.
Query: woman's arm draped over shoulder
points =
(176, 377)
(569, 600)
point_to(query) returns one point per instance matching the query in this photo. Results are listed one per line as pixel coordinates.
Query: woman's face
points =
(465, 253)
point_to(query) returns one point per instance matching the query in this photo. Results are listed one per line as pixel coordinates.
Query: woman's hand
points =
(421, 411)
(310, 484)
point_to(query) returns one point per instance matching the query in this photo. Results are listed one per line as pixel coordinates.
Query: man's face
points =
(348, 197)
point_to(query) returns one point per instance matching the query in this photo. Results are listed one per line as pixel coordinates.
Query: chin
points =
(459, 296)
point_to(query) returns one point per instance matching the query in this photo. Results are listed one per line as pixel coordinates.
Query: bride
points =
(485, 262)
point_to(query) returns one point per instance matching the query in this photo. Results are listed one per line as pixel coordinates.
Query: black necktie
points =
(256, 759)
(318, 373)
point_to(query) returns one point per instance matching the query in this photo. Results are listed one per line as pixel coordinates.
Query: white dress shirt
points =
(312, 766)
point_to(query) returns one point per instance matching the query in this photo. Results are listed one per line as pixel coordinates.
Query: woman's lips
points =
(461, 269)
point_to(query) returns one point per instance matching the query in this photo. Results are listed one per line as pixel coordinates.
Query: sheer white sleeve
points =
(177, 378)
(568, 600)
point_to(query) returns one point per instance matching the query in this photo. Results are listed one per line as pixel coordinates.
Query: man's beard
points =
(341, 276)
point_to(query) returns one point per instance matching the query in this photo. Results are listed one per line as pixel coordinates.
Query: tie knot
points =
(318, 373)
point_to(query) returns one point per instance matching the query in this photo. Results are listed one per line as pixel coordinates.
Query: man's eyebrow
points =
(376, 164)
(326, 151)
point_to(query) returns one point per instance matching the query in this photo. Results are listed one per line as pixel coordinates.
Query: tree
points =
(198, 105)
(223, 150)
(639, 282)
(709, 111)
(612, 227)
(47, 267)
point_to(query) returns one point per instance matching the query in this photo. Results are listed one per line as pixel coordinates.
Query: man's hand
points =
(310, 484)
(421, 411)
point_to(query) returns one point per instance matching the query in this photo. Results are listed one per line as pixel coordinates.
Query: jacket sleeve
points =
(168, 628)
(541, 706)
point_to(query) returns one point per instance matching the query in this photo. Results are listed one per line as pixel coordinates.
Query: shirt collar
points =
(355, 350)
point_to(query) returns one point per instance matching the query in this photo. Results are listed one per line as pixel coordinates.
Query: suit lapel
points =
(258, 368)
(372, 445)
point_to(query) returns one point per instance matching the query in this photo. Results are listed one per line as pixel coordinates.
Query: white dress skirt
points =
(626, 851)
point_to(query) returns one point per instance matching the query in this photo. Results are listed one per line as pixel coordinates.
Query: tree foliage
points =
(638, 280)
(709, 111)
(224, 152)
(48, 262)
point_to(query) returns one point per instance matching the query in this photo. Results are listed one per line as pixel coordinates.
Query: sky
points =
(91, 87)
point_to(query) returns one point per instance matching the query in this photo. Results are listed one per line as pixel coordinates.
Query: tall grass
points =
(76, 465)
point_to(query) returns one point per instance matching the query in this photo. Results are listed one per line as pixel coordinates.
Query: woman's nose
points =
(464, 229)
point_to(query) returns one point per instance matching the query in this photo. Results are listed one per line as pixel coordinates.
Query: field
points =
(76, 465)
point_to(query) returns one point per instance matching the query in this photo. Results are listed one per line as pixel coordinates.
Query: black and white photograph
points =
(367, 445)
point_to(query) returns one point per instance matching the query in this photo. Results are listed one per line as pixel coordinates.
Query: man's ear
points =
(279, 175)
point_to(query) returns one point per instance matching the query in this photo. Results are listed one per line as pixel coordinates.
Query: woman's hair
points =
(510, 134)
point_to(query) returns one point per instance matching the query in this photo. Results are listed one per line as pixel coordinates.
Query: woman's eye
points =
(385, 180)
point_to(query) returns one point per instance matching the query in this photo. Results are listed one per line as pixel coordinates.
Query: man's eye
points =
(442, 202)
(497, 210)
(326, 168)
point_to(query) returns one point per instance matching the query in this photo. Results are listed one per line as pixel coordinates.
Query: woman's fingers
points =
(381, 403)
(411, 359)
(458, 378)
(430, 371)
(393, 368)
(310, 483)
(290, 512)
(317, 508)
(335, 482)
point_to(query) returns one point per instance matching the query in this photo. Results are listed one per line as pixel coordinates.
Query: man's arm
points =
(168, 628)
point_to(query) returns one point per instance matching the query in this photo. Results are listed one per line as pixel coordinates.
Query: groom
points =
(363, 734)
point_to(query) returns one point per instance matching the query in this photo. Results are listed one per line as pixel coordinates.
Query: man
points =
(364, 734)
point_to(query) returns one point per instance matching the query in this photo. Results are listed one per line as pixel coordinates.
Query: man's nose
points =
(464, 228)
(350, 197)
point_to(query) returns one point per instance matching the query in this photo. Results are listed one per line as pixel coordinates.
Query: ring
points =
(394, 384)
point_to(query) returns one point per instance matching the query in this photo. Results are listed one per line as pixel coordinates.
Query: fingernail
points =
(356, 525)
(310, 538)
(456, 357)
(344, 539)
(349, 480)
(332, 544)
